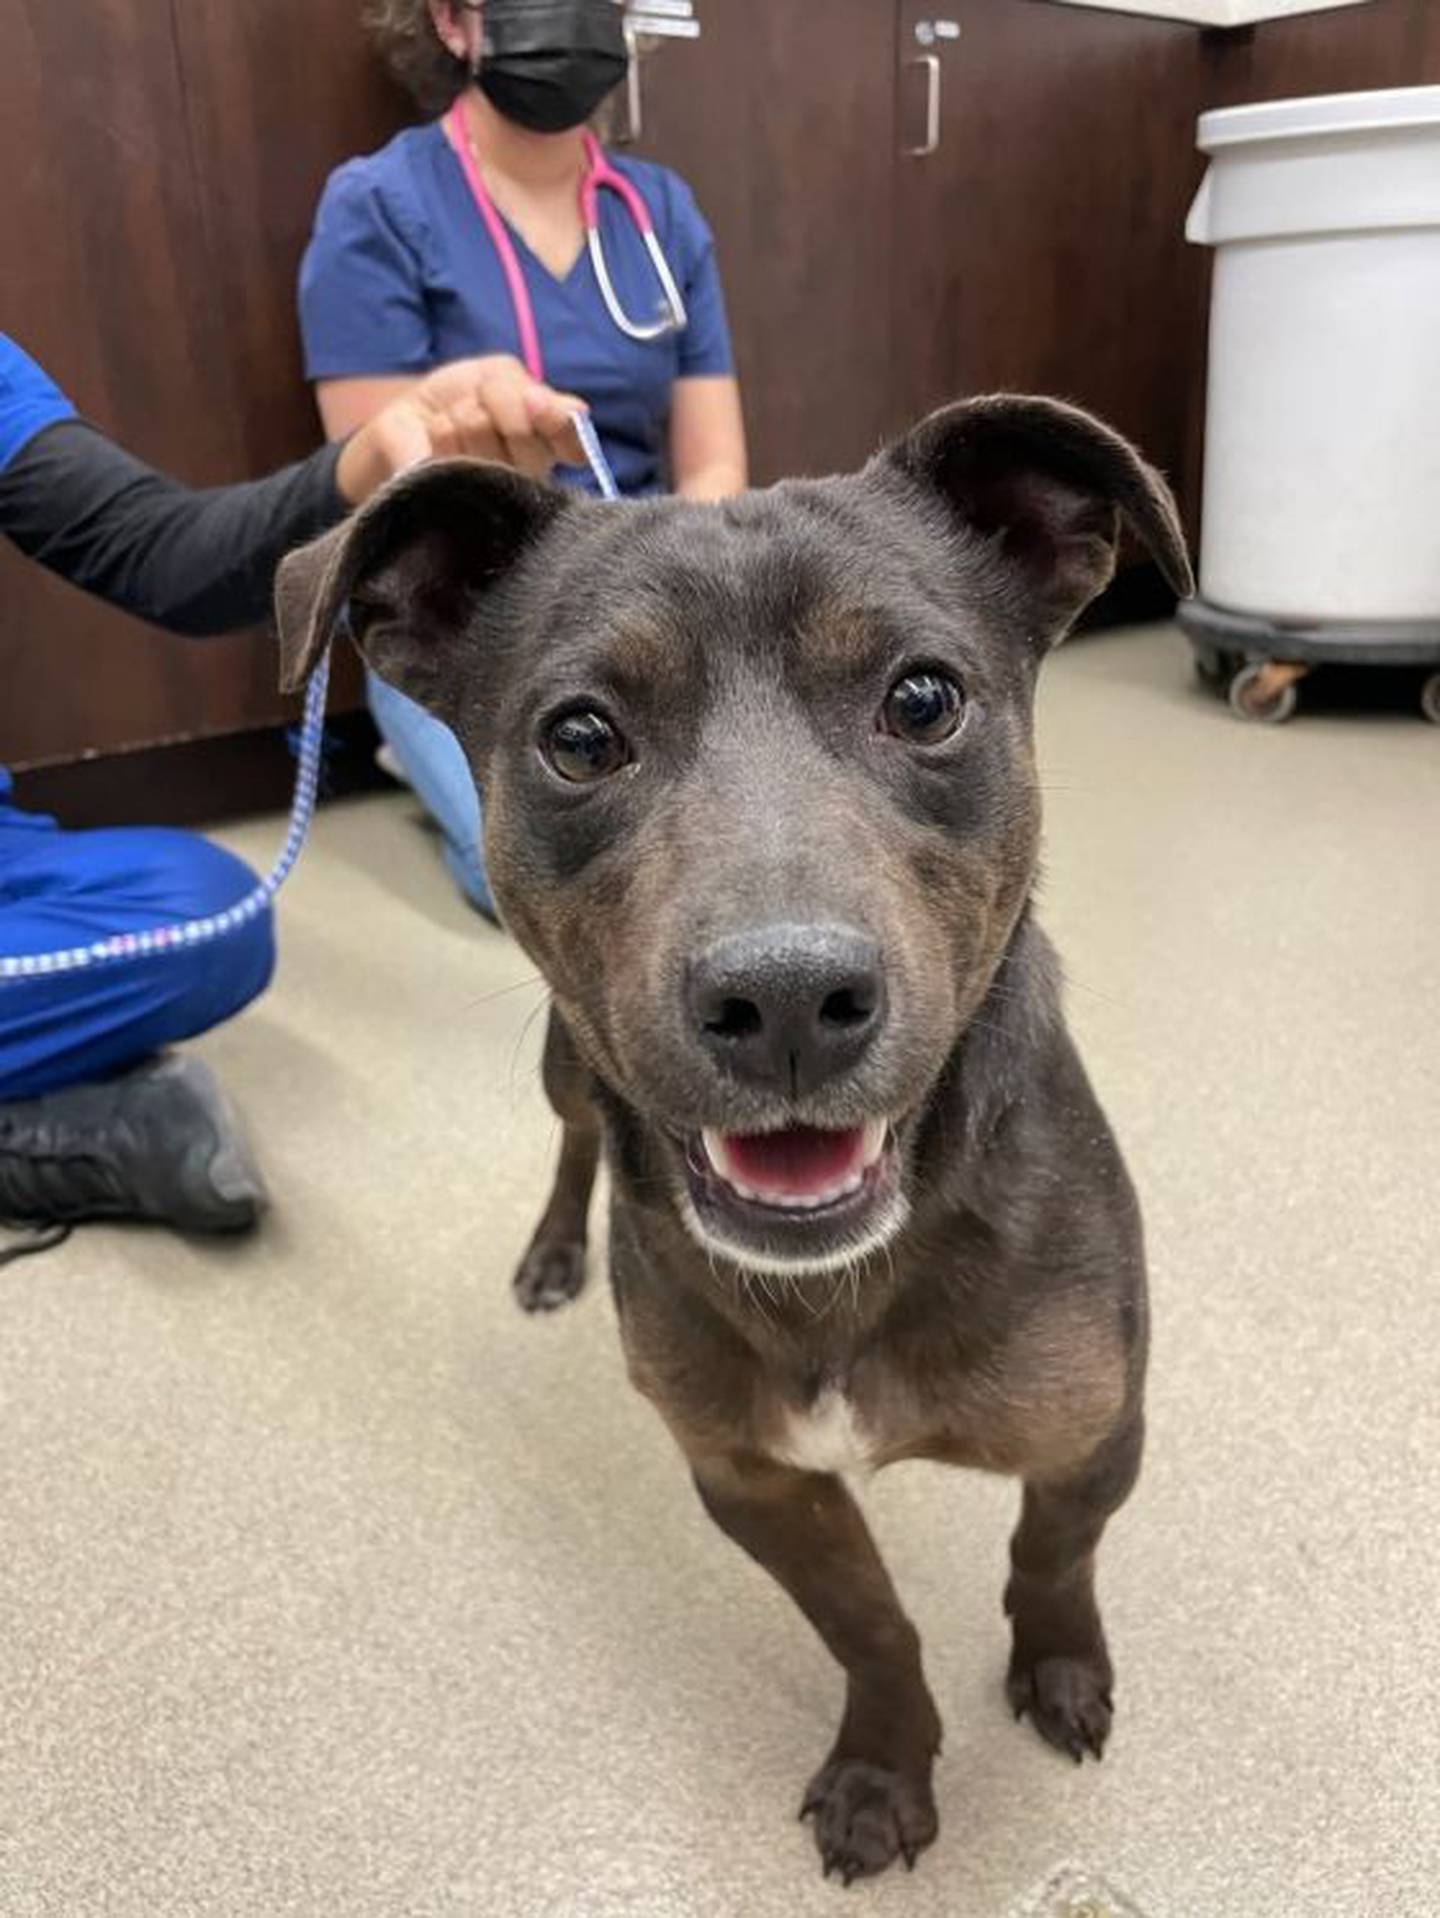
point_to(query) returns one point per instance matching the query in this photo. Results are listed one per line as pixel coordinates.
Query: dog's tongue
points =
(801, 1164)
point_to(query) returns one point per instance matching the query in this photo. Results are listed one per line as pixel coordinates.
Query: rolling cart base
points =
(1257, 664)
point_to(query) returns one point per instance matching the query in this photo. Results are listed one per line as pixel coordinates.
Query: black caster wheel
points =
(1430, 699)
(1214, 668)
(1263, 693)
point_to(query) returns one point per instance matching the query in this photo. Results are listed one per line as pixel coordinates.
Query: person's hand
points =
(488, 408)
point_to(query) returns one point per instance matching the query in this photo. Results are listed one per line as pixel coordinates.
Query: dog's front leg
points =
(552, 1271)
(1060, 1671)
(872, 1798)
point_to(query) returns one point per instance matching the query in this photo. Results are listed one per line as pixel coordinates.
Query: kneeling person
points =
(98, 1118)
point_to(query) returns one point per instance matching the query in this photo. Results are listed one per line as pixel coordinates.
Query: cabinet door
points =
(1048, 159)
(161, 166)
(782, 118)
(276, 95)
(103, 244)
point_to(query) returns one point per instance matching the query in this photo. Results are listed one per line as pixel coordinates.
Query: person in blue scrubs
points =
(98, 1118)
(402, 274)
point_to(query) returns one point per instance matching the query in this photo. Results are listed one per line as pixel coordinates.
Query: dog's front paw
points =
(867, 1815)
(1068, 1701)
(550, 1275)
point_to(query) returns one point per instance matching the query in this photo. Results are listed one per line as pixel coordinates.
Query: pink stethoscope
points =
(598, 173)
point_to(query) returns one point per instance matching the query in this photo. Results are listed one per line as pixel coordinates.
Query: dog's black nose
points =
(788, 1006)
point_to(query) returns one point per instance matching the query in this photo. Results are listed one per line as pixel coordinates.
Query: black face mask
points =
(547, 64)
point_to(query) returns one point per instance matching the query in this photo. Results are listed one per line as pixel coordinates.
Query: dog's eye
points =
(583, 746)
(923, 708)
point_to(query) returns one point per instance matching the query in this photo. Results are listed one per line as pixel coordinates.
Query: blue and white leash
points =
(595, 454)
(199, 932)
(215, 925)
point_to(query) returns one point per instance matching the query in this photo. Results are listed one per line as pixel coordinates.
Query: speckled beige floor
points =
(331, 1586)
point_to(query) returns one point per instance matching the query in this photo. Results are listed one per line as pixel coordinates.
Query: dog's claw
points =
(868, 1815)
(1067, 1701)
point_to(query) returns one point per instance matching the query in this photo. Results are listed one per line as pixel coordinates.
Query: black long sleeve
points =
(197, 562)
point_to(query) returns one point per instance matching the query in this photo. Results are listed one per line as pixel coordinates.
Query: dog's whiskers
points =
(520, 1038)
(745, 1282)
(1072, 984)
(535, 980)
(889, 1263)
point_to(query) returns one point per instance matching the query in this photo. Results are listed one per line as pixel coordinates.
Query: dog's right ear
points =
(411, 575)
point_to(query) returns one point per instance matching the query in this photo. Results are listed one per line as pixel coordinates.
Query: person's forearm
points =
(197, 562)
(707, 439)
(719, 481)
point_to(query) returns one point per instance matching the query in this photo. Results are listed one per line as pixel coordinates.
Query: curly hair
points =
(429, 71)
(415, 53)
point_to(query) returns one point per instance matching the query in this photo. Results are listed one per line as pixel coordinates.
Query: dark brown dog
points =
(761, 805)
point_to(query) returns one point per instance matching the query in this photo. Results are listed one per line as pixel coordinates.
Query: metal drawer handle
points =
(650, 19)
(931, 64)
(634, 90)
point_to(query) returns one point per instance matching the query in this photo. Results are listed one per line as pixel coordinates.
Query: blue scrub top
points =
(401, 276)
(29, 401)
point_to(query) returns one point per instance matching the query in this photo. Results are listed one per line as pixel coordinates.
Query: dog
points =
(761, 804)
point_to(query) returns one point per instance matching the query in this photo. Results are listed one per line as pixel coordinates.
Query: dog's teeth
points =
(812, 1202)
(715, 1150)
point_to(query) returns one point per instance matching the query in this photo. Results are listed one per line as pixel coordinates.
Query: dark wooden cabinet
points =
(1035, 242)
(160, 164)
(161, 160)
(276, 95)
(103, 227)
(782, 118)
(875, 272)
(1038, 244)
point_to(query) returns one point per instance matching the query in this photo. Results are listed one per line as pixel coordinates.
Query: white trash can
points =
(1322, 460)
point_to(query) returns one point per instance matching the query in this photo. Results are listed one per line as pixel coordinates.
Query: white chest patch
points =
(826, 1438)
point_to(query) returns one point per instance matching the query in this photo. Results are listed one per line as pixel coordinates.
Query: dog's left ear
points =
(1050, 483)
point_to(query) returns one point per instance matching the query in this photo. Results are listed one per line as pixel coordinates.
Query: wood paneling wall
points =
(1386, 43)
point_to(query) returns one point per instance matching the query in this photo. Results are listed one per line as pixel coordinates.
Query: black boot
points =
(161, 1142)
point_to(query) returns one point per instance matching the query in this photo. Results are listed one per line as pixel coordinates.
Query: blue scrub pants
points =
(60, 889)
(433, 762)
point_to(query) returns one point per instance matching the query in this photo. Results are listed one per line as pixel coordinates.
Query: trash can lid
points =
(1386, 110)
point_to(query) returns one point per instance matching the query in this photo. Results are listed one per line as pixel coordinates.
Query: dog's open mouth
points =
(800, 1198)
(801, 1169)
